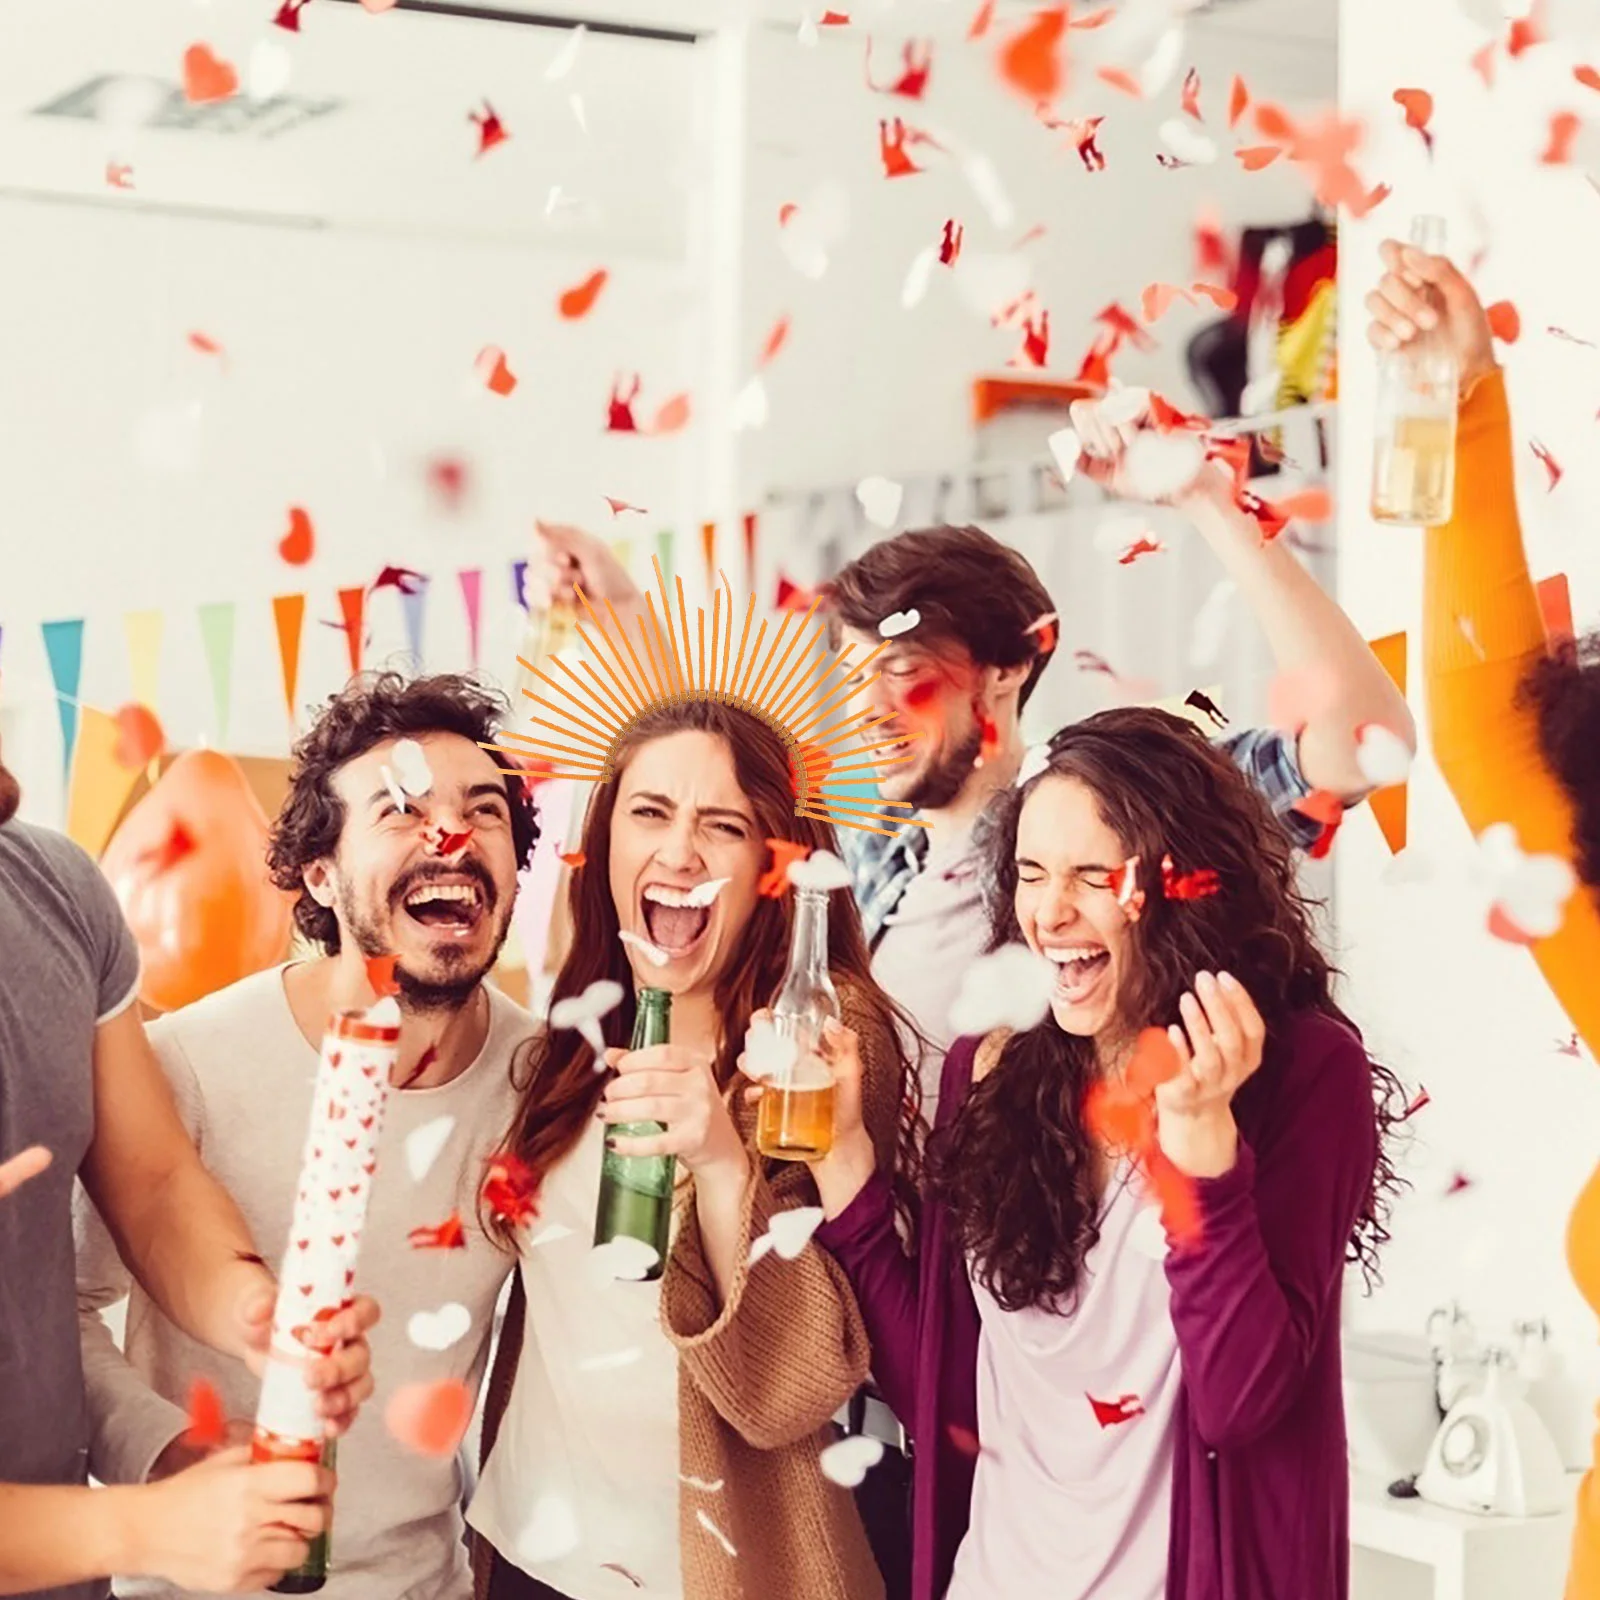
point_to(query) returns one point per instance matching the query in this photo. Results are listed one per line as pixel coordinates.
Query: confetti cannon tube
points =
(359, 1051)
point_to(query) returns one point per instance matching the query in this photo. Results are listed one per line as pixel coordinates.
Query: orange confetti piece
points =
(119, 175)
(205, 344)
(892, 139)
(579, 301)
(1238, 101)
(208, 1424)
(673, 415)
(297, 545)
(1370, 201)
(491, 366)
(1273, 122)
(491, 130)
(1548, 462)
(786, 213)
(981, 20)
(1157, 298)
(1030, 62)
(1167, 418)
(1589, 77)
(776, 878)
(1257, 156)
(1191, 94)
(1526, 32)
(1564, 126)
(206, 76)
(1504, 322)
(1222, 299)
(573, 858)
(380, 974)
(1418, 107)
(1121, 79)
(430, 1419)
(1143, 546)
(446, 1235)
(139, 738)
(775, 341)
(1483, 64)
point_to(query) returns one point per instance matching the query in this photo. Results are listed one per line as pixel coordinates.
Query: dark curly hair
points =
(1017, 1167)
(1564, 689)
(371, 708)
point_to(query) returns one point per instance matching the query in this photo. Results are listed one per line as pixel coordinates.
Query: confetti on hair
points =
(298, 545)
(1548, 462)
(510, 1190)
(916, 64)
(430, 1419)
(1048, 630)
(1200, 884)
(1505, 323)
(207, 77)
(579, 300)
(1030, 61)
(776, 878)
(491, 130)
(1418, 107)
(208, 1424)
(446, 1235)
(1108, 1413)
(573, 859)
(492, 368)
(1125, 886)
(1564, 127)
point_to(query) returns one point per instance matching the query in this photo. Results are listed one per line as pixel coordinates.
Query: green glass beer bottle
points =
(636, 1191)
(312, 1573)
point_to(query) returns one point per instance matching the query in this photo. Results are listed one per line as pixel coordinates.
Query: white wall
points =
(1449, 1006)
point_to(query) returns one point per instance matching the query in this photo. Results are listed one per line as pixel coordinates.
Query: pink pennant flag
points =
(472, 596)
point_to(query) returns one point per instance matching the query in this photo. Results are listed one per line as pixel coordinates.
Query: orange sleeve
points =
(1481, 631)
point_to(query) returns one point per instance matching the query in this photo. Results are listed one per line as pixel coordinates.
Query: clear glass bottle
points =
(1414, 452)
(636, 1191)
(550, 630)
(796, 1118)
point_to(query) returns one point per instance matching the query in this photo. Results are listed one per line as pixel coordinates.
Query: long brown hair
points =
(558, 1086)
(1017, 1167)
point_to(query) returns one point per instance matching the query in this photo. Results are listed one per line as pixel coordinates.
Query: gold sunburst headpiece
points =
(800, 689)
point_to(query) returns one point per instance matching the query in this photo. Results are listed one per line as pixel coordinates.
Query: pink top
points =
(1073, 1500)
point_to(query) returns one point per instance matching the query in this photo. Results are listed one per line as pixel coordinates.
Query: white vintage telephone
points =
(1492, 1454)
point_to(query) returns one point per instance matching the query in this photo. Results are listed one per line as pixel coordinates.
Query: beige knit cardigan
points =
(759, 1380)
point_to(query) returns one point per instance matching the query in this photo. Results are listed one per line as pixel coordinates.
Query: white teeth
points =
(1065, 957)
(700, 896)
(467, 893)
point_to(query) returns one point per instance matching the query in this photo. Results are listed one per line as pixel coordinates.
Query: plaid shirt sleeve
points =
(1270, 760)
(880, 866)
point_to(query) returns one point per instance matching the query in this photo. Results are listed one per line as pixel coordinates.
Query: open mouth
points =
(453, 906)
(674, 919)
(1080, 969)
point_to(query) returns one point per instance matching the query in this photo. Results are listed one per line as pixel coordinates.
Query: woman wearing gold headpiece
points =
(666, 1436)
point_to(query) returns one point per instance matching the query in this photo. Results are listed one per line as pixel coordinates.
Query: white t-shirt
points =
(583, 1477)
(1073, 1492)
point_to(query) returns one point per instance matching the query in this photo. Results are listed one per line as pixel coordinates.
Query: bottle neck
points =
(808, 951)
(652, 1022)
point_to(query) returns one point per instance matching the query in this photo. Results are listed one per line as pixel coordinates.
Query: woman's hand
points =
(575, 559)
(1419, 293)
(1219, 1048)
(842, 1174)
(675, 1087)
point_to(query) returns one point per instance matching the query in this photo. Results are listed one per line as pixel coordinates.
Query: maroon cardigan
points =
(1261, 1484)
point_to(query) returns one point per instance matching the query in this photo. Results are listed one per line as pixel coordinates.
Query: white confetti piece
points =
(1065, 448)
(767, 1052)
(1159, 466)
(566, 58)
(715, 1532)
(1383, 756)
(705, 894)
(551, 1532)
(749, 408)
(704, 1485)
(822, 869)
(1529, 892)
(424, 1144)
(788, 1233)
(268, 70)
(580, 116)
(438, 1330)
(653, 953)
(1123, 406)
(385, 1013)
(550, 1233)
(899, 622)
(411, 770)
(981, 174)
(1009, 988)
(392, 784)
(918, 276)
(880, 500)
(585, 1011)
(1188, 143)
(611, 1360)
(847, 1462)
(622, 1260)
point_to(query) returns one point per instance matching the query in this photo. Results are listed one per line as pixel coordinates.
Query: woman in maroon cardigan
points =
(1102, 1404)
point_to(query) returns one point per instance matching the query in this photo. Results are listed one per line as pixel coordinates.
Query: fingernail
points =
(1427, 317)
(1405, 330)
(1228, 981)
(1205, 980)
(611, 1144)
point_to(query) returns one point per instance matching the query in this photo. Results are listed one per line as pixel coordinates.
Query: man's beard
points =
(419, 996)
(948, 774)
(10, 796)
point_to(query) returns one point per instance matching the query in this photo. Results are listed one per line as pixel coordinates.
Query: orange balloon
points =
(188, 866)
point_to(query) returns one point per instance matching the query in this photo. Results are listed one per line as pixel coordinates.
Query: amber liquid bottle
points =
(795, 1122)
(1414, 452)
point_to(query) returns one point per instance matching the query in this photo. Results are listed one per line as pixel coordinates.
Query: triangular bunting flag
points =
(750, 549)
(353, 607)
(414, 603)
(471, 580)
(63, 644)
(1389, 806)
(144, 655)
(100, 784)
(216, 632)
(1555, 606)
(708, 549)
(289, 614)
(519, 583)
(664, 543)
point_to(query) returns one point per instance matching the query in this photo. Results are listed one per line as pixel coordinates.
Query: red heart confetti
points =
(206, 76)
(1418, 107)
(298, 545)
(1504, 322)
(446, 1235)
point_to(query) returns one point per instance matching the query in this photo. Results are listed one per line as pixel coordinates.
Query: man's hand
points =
(575, 559)
(180, 1455)
(226, 1526)
(342, 1373)
(1419, 293)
